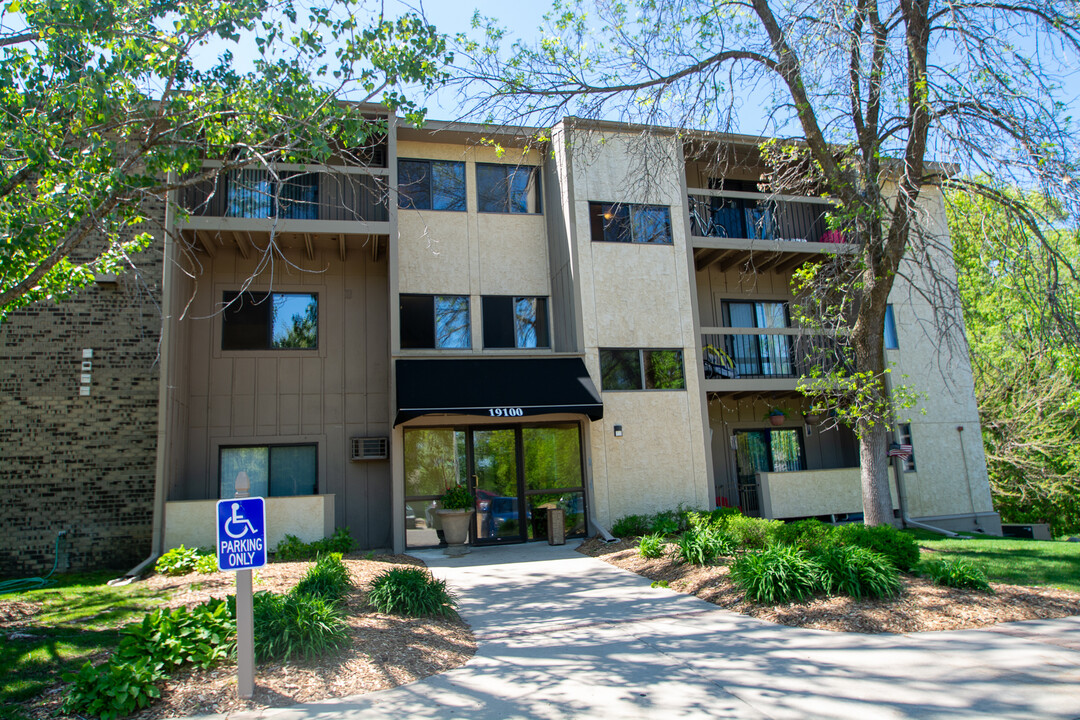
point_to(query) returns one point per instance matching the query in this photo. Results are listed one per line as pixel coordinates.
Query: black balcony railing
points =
(760, 219)
(768, 355)
(290, 196)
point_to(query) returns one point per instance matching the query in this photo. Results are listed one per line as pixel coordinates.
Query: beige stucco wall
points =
(639, 296)
(309, 517)
(471, 253)
(813, 492)
(951, 476)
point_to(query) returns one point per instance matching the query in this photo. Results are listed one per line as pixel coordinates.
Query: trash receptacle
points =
(556, 526)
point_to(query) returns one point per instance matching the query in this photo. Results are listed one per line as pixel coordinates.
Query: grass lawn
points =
(78, 619)
(1009, 560)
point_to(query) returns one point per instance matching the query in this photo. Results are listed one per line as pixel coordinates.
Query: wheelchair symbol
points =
(237, 521)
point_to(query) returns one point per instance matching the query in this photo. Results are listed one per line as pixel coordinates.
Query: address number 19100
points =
(506, 412)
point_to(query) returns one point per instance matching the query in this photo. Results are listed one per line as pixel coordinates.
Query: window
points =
(507, 189)
(274, 470)
(431, 185)
(633, 369)
(626, 222)
(515, 322)
(258, 194)
(764, 355)
(435, 321)
(892, 342)
(270, 321)
(905, 439)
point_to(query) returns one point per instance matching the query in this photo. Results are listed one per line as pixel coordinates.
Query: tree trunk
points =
(877, 500)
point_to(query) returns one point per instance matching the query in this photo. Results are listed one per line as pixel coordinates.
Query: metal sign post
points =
(241, 547)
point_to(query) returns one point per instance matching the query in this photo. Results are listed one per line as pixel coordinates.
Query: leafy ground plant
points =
(410, 591)
(751, 533)
(703, 545)
(184, 560)
(652, 545)
(632, 526)
(296, 625)
(778, 574)
(900, 547)
(858, 572)
(957, 573)
(114, 689)
(293, 548)
(328, 578)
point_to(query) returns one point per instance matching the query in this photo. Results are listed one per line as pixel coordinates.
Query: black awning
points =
(495, 387)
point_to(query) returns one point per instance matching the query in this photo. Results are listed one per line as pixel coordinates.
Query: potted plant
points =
(776, 416)
(456, 515)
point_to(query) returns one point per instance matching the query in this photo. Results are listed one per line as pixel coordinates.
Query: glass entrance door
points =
(497, 484)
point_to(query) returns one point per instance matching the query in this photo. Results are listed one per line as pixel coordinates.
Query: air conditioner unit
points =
(370, 448)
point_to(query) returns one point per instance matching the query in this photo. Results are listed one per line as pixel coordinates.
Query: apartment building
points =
(599, 322)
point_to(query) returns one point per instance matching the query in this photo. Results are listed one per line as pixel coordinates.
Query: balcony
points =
(741, 229)
(299, 206)
(764, 360)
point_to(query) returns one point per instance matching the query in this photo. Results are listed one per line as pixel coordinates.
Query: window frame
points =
(889, 332)
(434, 319)
(229, 305)
(545, 322)
(430, 194)
(269, 476)
(598, 220)
(508, 169)
(642, 367)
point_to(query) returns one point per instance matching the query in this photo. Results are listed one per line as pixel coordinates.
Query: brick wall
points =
(84, 464)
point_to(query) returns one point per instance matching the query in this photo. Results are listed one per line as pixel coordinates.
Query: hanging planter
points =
(776, 416)
(812, 418)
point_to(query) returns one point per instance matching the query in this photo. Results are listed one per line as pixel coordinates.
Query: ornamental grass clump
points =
(957, 573)
(410, 591)
(652, 545)
(778, 574)
(858, 572)
(701, 546)
(328, 578)
(810, 535)
(296, 625)
(900, 547)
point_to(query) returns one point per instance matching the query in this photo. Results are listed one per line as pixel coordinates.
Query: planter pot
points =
(776, 420)
(812, 419)
(455, 526)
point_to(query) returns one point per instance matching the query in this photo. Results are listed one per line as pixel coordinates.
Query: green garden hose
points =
(9, 586)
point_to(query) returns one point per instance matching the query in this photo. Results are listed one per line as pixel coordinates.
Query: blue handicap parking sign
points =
(241, 533)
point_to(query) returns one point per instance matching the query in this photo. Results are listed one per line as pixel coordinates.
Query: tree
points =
(887, 98)
(109, 103)
(1026, 364)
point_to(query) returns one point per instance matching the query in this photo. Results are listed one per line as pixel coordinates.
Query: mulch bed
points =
(386, 651)
(921, 606)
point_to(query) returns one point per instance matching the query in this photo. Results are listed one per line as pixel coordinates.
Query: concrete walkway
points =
(563, 635)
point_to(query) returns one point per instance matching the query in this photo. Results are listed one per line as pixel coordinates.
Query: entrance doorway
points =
(516, 473)
(764, 451)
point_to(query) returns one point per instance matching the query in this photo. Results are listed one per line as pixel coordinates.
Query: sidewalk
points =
(564, 635)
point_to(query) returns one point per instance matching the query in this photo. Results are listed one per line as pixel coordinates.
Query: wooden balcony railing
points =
(354, 197)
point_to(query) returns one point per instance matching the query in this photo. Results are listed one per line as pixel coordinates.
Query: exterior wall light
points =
(618, 431)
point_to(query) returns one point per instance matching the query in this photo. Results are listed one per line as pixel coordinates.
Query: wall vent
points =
(370, 448)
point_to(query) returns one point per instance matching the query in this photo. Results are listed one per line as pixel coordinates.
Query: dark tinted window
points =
(620, 369)
(272, 470)
(435, 321)
(634, 369)
(507, 189)
(663, 370)
(417, 321)
(515, 322)
(431, 185)
(265, 321)
(628, 222)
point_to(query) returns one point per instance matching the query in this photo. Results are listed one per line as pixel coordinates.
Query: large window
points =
(273, 470)
(634, 369)
(507, 189)
(515, 322)
(764, 355)
(892, 342)
(435, 321)
(630, 223)
(270, 321)
(431, 185)
(259, 194)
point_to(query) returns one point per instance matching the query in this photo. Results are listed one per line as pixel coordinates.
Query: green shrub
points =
(651, 546)
(328, 578)
(751, 533)
(296, 625)
(702, 546)
(632, 526)
(456, 497)
(206, 564)
(410, 591)
(778, 574)
(666, 522)
(113, 689)
(178, 561)
(958, 573)
(293, 548)
(901, 548)
(858, 572)
(810, 535)
(202, 636)
(719, 516)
